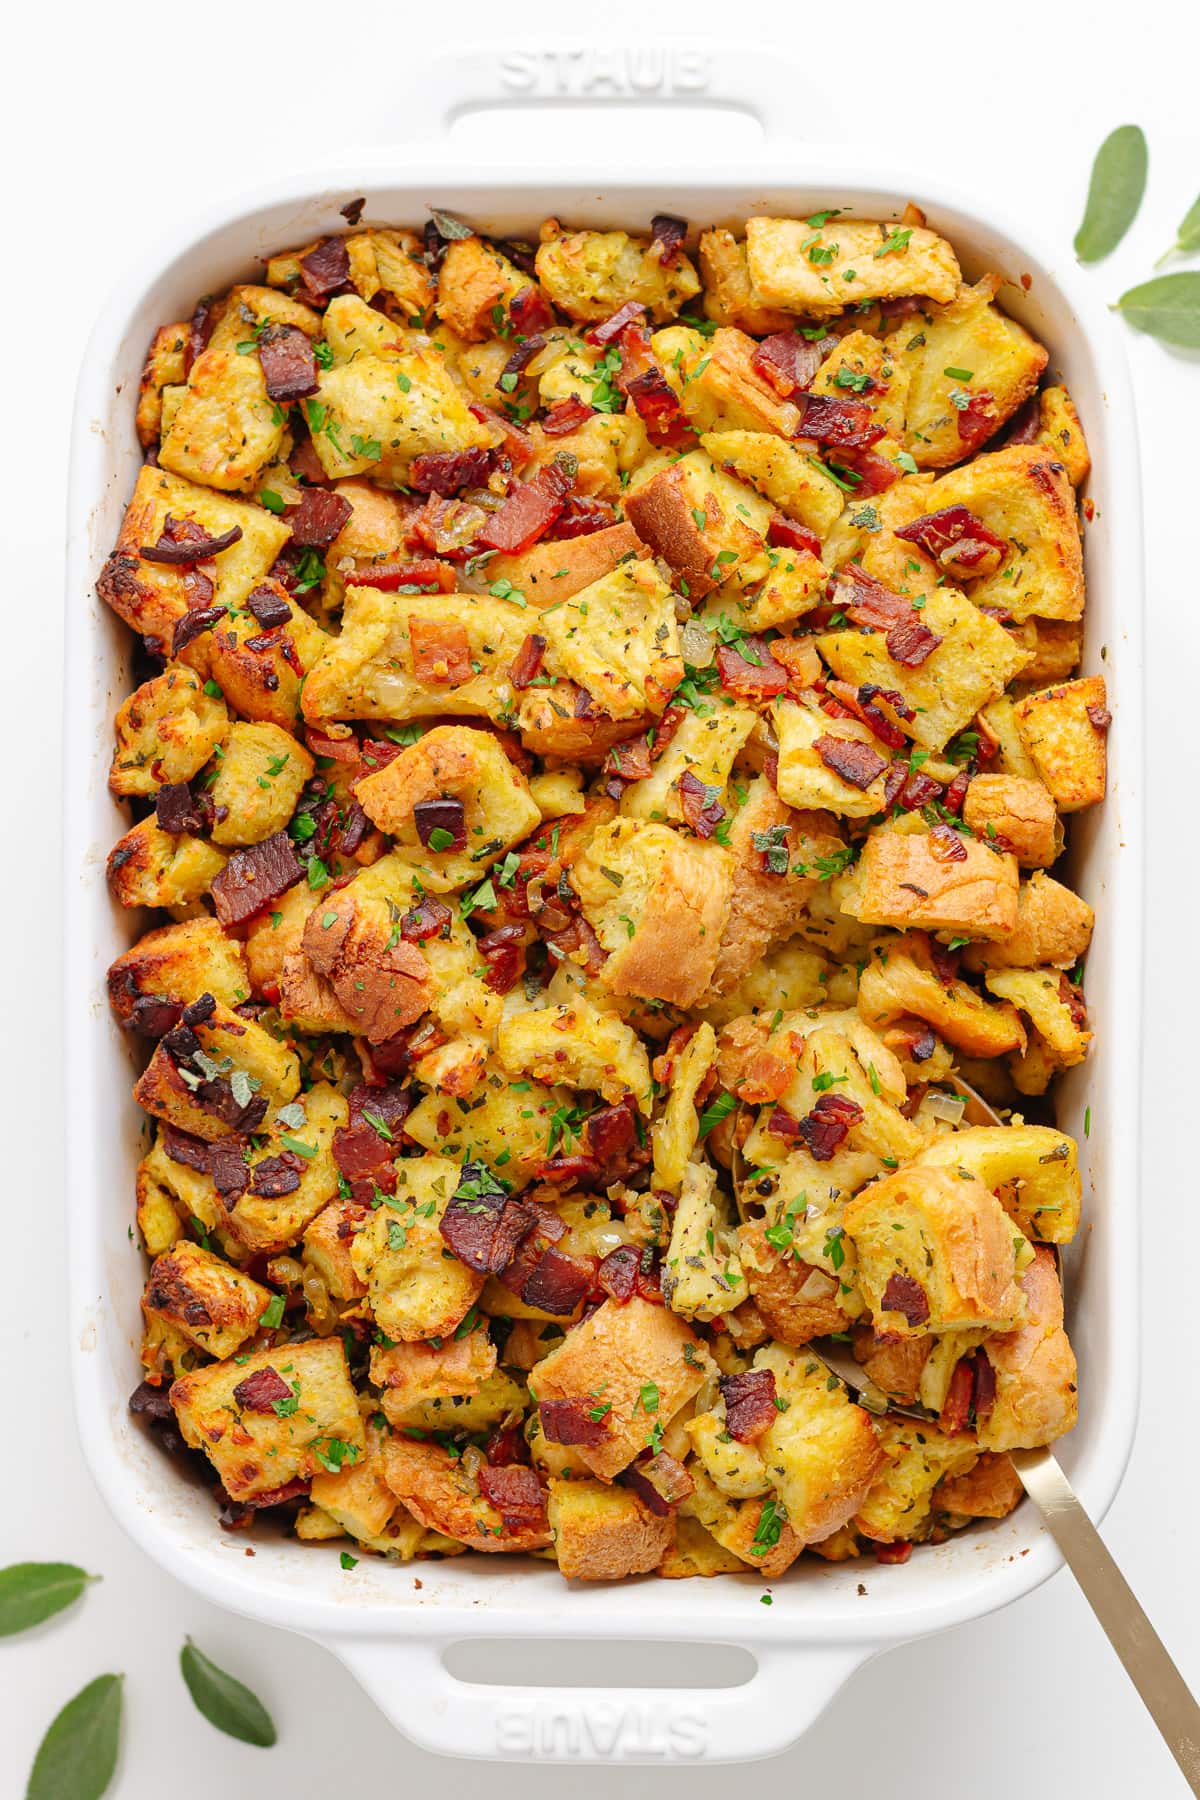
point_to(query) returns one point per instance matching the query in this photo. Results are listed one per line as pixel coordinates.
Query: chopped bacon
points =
(567, 415)
(866, 601)
(580, 517)
(288, 364)
(176, 811)
(832, 419)
(153, 1015)
(198, 620)
(860, 703)
(618, 1272)
(527, 663)
(898, 1552)
(1026, 423)
(947, 844)
(905, 1295)
(484, 1226)
(503, 952)
(786, 361)
(783, 1124)
(667, 234)
(522, 356)
(530, 312)
(569, 1171)
(557, 1283)
(268, 607)
(909, 788)
(577, 935)
(767, 1077)
(182, 542)
(853, 761)
(643, 381)
(425, 574)
(441, 814)
(528, 513)
(318, 519)
(275, 1176)
(956, 1408)
(612, 1130)
(612, 327)
(983, 1396)
(956, 793)
(749, 1403)
(1072, 998)
(976, 421)
(183, 1148)
(826, 1127)
(518, 445)
(254, 877)
(660, 1482)
(441, 651)
(945, 962)
(1100, 717)
(910, 642)
(505, 1445)
(870, 474)
(698, 802)
(444, 472)
(785, 534)
(515, 1492)
(630, 760)
(955, 538)
(365, 1153)
(227, 1166)
(261, 1391)
(324, 270)
(582, 1421)
(199, 332)
(753, 674)
(430, 919)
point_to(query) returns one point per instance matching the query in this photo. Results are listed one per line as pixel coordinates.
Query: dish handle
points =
(758, 83)
(409, 1681)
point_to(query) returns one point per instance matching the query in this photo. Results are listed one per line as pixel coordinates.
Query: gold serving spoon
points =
(1164, 1692)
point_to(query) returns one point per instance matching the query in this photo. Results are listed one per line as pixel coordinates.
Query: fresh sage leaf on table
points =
(1114, 194)
(1188, 238)
(31, 1592)
(1168, 307)
(78, 1754)
(224, 1702)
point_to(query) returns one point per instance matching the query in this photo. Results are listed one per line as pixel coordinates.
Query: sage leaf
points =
(1114, 194)
(1188, 238)
(224, 1702)
(447, 226)
(1168, 307)
(31, 1592)
(78, 1754)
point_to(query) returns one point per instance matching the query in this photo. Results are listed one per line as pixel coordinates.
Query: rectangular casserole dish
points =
(819, 1628)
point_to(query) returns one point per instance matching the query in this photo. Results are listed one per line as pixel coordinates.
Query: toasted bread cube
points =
(498, 1401)
(166, 731)
(356, 1494)
(165, 366)
(328, 1241)
(450, 762)
(1062, 433)
(702, 521)
(1054, 1009)
(894, 1365)
(211, 1304)
(1036, 1394)
(263, 1454)
(315, 1526)
(869, 369)
(899, 1505)
(149, 867)
(414, 1373)
(262, 1223)
(676, 1131)
(798, 1300)
(416, 1287)
(166, 1187)
(1065, 730)
(390, 262)
(507, 1129)
(439, 1491)
(805, 780)
(235, 1045)
(260, 771)
(474, 287)
(908, 879)
(966, 348)
(755, 1531)
(590, 274)
(991, 1490)
(618, 639)
(1022, 494)
(1016, 813)
(791, 480)
(856, 261)
(707, 747)
(261, 673)
(181, 962)
(639, 1362)
(378, 982)
(737, 1469)
(718, 385)
(1054, 647)
(901, 979)
(696, 1552)
(936, 1252)
(579, 1046)
(821, 1451)
(702, 1277)
(1054, 925)
(152, 597)
(729, 296)
(1032, 1169)
(663, 919)
(604, 1533)
(158, 1220)
(560, 569)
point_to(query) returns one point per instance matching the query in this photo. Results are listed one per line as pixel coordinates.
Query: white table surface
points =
(1016, 98)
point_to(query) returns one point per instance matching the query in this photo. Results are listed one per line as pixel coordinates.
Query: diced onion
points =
(948, 1107)
(818, 1286)
(696, 644)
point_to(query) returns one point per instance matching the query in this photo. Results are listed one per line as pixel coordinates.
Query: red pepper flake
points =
(827, 1126)
(527, 663)
(749, 1403)
(288, 363)
(752, 670)
(698, 802)
(445, 472)
(441, 652)
(910, 642)
(906, 1296)
(785, 534)
(854, 762)
(528, 513)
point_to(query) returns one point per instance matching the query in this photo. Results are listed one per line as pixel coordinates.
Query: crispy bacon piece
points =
(268, 607)
(667, 235)
(786, 361)
(908, 788)
(441, 652)
(866, 601)
(749, 1403)
(199, 332)
(569, 1171)
(424, 575)
(557, 1282)
(642, 380)
(567, 415)
(528, 513)
(197, 620)
(318, 519)
(766, 1077)
(847, 424)
(983, 1393)
(183, 1148)
(365, 1150)
(893, 1553)
(523, 355)
(483, 1225)
(515, 1492)
(530, 311)
(227, 1166)
(947, 844)
(288, 364)
(583, 1421)
(854, 762)
(324, 270)
(517, 445)
(612, 1130)
(660, 1482)
(698, 802)
(754, 675)
(603, 333)
(860, 704)
(1026, 423)
(956, 1408)
(1100, 717)
(503, 950)
(630, 760)
(260, 1391)
(441, 815)
(575, 935)
(1072, 998)
(783, 1124)
(275, 1176)
(445, 472)
(904, 1294)
(580, 517)
(785, 534)
(527, 663)
(956, 793)
(976, 421)
(430, 919)
(255, 876)
(910, 642)
(955, 538)
(945, 962)
(175, 810)
(182, 542)
(826, 1127)
(870, 474)
(618, 1272)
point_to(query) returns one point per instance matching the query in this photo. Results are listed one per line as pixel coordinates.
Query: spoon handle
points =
(1166, 1695)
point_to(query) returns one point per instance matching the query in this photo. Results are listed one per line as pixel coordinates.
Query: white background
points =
(120, 117)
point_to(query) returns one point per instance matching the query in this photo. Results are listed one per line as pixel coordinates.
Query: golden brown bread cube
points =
(261, 1223)
(1054, 925)
(204, 1298)
(166, 731)
(604, 1533)
(474, 286)
(410, 1374)
(676, 1130)
(181, 962)
(505, 1127)
(729, 295)
(246, 1058)
(589, 274)
(695, 1552)
(1032, 1169)
(327, 1245)
(578, 1045)
(991, 1490)
(702, 521)
(416, 1288)
(1062, 433)
(895, 1365)
(856, 260)
(619, 640)
(1015, 814)
(807, 780)
(165, 366)
(1022, 494)
(939, 881)
(260, 770)
(261, 673)
(439, 1491)
(798, 1300)
(272, 1422)
(1053, 1006)
(755, 1531)
(702, 1277)
(899, 1506)
(954, 353)
(635, 1364)
(377, 980)
(1036, 1394)
(149, 867)
(357, 1495)
(791, 479)
(821, 1451)
(1065, 730)
(936, 1252)
(557, 571)
(900, 978)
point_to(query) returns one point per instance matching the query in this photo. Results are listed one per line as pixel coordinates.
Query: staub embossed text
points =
(605, 74)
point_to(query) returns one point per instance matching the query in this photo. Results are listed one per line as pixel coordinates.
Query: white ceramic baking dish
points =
(388, 1628)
